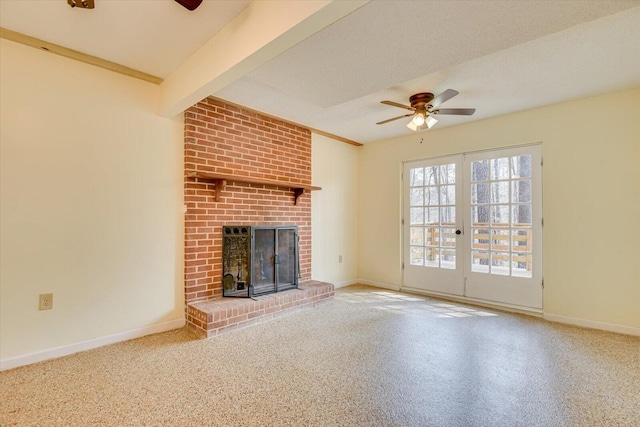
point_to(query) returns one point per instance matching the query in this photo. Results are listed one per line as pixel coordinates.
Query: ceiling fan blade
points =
(395, 104)
(395, 118)
(455, 111)
(190, 4)
(444, 96)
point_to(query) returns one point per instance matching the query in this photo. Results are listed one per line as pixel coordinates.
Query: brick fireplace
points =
(250, 151)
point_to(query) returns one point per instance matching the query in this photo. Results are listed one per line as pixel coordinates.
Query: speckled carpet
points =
(370, 357)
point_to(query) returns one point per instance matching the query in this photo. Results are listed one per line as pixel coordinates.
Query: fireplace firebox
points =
(259, 260)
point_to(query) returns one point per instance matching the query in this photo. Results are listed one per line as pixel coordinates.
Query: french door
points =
(473, 226)
(433, 251)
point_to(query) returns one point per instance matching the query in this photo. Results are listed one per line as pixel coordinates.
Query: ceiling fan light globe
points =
(412, 126)
(431, 122)
(418, 120)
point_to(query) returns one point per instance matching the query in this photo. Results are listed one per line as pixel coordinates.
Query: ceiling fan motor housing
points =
(421, 100)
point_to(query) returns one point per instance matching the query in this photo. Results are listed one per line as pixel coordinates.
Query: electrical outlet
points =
(340, 259)
(46, 301)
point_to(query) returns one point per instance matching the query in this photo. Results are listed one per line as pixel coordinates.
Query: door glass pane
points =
(500, 240)
(431, 175)
(448, 258)
(448, 195)
(431, 215)
(417, 255)
(521, 265)
(416, 177)
(448, 215)
(521, 166)
(521, 191)
(480, 193)
(500, 263)
(416, 197)
(500, 216)
(416, 236)
(448, 252)
(522, 215)
(448, 174)
(480, 170)
(431, 196)
(480, 261)
(521, 240)
(416, 216)
(432, 237)
(448, 237)
(480, 215)
(432, 257)
(499, 168)
(480, 238)
(500, 192)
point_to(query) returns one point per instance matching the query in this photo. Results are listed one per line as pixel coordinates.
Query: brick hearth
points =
(215, 316)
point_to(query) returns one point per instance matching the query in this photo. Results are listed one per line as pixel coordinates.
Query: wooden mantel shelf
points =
(221, 181)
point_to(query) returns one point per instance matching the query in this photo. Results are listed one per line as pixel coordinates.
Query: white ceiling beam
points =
(262, 31)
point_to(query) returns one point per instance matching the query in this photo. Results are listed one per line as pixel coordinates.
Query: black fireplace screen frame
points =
(259, 260)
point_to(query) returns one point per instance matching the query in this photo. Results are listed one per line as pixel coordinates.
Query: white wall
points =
(91, 199)
(591, 150)
(334, 211)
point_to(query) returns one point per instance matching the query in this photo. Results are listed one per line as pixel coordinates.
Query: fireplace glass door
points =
(263, 261)
(259, 260)
(286, 259)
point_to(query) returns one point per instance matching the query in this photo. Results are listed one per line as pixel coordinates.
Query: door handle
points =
(458, 232)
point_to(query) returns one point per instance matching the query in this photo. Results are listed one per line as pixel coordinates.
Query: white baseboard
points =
(473, 301)
(65, 350)
(593, 324)
(379, 284)
(347, 283)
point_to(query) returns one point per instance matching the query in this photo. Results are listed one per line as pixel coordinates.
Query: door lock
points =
(458, 232)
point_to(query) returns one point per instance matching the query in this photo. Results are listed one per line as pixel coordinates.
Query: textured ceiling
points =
(503, 56)
(386, 43)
